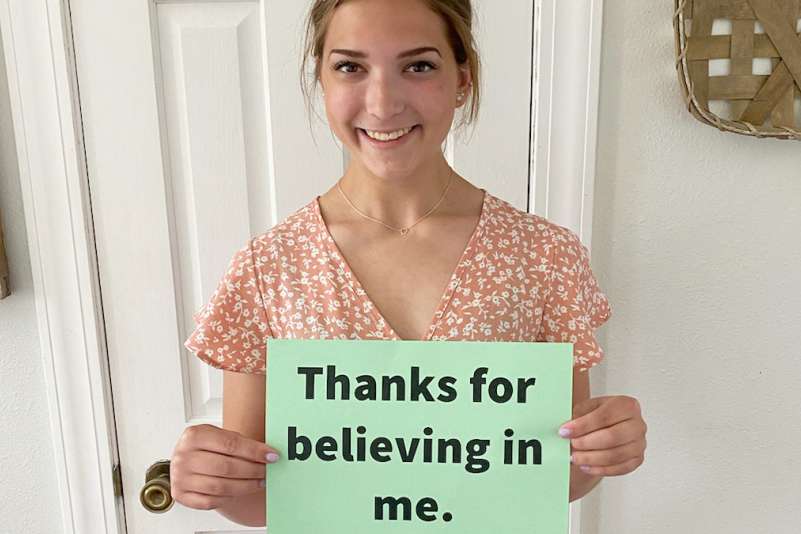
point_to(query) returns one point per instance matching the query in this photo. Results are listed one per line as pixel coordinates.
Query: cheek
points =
(341, 107)
(436, 105)
(442, 96)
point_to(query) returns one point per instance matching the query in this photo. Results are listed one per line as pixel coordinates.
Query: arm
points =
(581, 483)
(248, 511)
(243, 412)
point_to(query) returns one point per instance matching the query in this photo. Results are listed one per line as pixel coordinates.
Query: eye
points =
(348, 64)
(419, 67)
(427, 64)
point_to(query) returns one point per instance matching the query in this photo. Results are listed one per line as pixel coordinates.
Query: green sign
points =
(418, 436)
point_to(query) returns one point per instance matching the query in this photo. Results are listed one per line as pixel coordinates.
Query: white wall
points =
(697, 240)
(28, 492)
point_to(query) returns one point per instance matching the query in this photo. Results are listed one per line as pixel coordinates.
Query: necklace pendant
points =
(404, 231)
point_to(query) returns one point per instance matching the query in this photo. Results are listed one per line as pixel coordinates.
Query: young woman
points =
(393, 74)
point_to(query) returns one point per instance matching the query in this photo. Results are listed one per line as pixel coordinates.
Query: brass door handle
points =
(155, 495)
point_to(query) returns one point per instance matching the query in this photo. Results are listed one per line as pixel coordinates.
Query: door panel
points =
(214, 121)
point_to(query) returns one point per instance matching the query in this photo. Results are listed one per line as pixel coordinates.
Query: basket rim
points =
(698, 111)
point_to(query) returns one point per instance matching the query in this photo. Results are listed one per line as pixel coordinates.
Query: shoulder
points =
(293, 233)
(536, 231)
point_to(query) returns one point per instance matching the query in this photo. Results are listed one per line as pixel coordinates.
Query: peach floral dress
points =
(520, 278)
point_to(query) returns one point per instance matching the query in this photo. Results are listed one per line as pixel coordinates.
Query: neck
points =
(398, 200)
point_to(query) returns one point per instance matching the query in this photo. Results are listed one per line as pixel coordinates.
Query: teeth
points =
(388, 136)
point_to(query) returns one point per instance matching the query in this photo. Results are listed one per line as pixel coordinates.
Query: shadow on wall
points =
(14, 261)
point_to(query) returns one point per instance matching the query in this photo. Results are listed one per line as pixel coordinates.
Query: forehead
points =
(378, 25)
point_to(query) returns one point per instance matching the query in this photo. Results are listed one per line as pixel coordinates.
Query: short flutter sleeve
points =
(232, 328)
(574, 304)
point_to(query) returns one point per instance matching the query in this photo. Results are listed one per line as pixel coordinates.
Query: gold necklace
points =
(405, 230)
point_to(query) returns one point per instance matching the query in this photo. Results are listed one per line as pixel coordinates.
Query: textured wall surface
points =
(697, 241)
(29, 501)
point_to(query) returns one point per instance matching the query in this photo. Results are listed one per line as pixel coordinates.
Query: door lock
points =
(155, 495)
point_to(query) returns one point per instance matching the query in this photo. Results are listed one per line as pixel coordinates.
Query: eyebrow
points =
(412, 52)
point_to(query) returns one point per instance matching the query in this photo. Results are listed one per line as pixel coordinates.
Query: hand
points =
(607, 435)
(210, 467)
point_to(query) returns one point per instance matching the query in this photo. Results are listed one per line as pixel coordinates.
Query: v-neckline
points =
(453, 282)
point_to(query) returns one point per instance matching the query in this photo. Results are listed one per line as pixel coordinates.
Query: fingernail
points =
(585, 468)
(271, 457)
(564, 432)
(572, 460)
(263, 483)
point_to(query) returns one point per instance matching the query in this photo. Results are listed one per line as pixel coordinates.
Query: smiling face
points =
(387, 66)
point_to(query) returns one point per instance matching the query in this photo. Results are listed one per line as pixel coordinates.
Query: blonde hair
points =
(458, 18)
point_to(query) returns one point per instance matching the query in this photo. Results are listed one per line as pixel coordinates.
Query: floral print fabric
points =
(520, 278)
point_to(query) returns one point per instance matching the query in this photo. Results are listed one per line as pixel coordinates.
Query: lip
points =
(387, 144)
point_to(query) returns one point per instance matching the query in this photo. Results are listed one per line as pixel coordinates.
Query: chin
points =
(390, 172)
(392, 169)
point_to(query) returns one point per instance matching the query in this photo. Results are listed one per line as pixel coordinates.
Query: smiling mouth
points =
(387, 137)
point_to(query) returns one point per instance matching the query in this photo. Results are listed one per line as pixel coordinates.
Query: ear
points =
(465, 83)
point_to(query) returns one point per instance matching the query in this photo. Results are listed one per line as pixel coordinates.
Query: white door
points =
(196, 139)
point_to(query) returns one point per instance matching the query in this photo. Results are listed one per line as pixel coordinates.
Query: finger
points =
(609, 457)
(200, 501)
(220, 465)
(221, 487)
(228, 442)
(616, 470)
(588, 405)
(610, 437)
(611, 412)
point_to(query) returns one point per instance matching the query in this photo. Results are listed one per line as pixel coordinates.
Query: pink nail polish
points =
(564, 432)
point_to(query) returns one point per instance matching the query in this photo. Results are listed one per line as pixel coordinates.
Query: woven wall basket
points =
(767, 104)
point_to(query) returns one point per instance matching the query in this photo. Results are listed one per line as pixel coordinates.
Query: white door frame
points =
(47, 129)
(39, 56)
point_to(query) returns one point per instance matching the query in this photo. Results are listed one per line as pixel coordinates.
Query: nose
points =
(384, 97)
